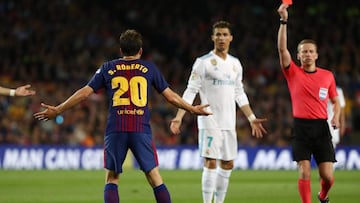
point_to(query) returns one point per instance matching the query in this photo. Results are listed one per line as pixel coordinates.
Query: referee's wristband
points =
(251, 118)
(12, 92)
(283, 22)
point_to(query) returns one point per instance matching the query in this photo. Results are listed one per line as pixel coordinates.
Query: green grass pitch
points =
(248, 186)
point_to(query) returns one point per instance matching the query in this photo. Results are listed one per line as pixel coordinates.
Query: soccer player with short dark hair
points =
(127, 82)
(217, 78)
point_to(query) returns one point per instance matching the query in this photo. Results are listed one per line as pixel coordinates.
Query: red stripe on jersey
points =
(155, 153)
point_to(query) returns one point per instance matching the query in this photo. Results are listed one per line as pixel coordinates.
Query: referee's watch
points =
(283, 22)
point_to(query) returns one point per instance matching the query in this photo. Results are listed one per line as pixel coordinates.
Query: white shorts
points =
(218, 144)
(335, 136)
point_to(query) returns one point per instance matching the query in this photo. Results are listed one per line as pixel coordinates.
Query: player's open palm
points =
(24, 91)
(257, 129)
(50, 112)
(175, 126)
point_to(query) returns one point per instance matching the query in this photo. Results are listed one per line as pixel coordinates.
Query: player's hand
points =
(282, 10)
(50, 112)
(335, 123)
(200, 110)
(257, 129)
(175, 126)
(24, 91)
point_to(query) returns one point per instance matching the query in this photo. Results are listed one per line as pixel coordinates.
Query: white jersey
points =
(219, 83)
(335, 132)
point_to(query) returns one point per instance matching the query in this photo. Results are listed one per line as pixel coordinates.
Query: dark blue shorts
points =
(312, 137)
(116, 146)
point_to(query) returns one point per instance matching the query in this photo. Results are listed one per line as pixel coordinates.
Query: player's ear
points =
(212, 38)
(140, 51)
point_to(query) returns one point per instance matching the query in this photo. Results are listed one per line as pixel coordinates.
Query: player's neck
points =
(221, 54)
(129, 58)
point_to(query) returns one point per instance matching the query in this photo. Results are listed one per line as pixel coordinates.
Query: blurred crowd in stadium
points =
(57, 46)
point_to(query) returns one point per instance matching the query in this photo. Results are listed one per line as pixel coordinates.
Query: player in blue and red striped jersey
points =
(310, 89)
(127, 82)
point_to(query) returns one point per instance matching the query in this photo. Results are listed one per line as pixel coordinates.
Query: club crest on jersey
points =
(323, 93)
(213, 62)
(194, 76)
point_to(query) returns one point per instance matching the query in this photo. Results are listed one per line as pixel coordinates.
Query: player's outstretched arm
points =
(51, 112)
(179, 102)
(20, 91)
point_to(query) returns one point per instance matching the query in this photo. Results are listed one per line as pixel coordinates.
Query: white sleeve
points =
(341, 97)
(240, 95)
(195, 81)
(189, 95)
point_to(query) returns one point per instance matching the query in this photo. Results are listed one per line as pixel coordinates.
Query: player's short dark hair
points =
(130, 42)
(221, 24)
(307, 41)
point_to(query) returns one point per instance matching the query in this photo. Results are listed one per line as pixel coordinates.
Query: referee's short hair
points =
(307, 41)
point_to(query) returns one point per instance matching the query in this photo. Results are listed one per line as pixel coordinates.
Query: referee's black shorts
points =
(312, 137)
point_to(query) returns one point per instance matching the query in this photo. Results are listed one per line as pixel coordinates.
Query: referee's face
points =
(222, 39)
(307, 54)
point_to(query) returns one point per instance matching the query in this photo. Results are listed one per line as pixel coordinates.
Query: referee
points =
(310, 89)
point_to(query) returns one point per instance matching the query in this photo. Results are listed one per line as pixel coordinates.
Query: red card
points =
(288, 2)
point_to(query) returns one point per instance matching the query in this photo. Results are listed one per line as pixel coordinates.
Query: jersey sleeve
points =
(290, 71)
(97, 81)
(195, 81)
(159, 82)
(240, 95)
(341, 97)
